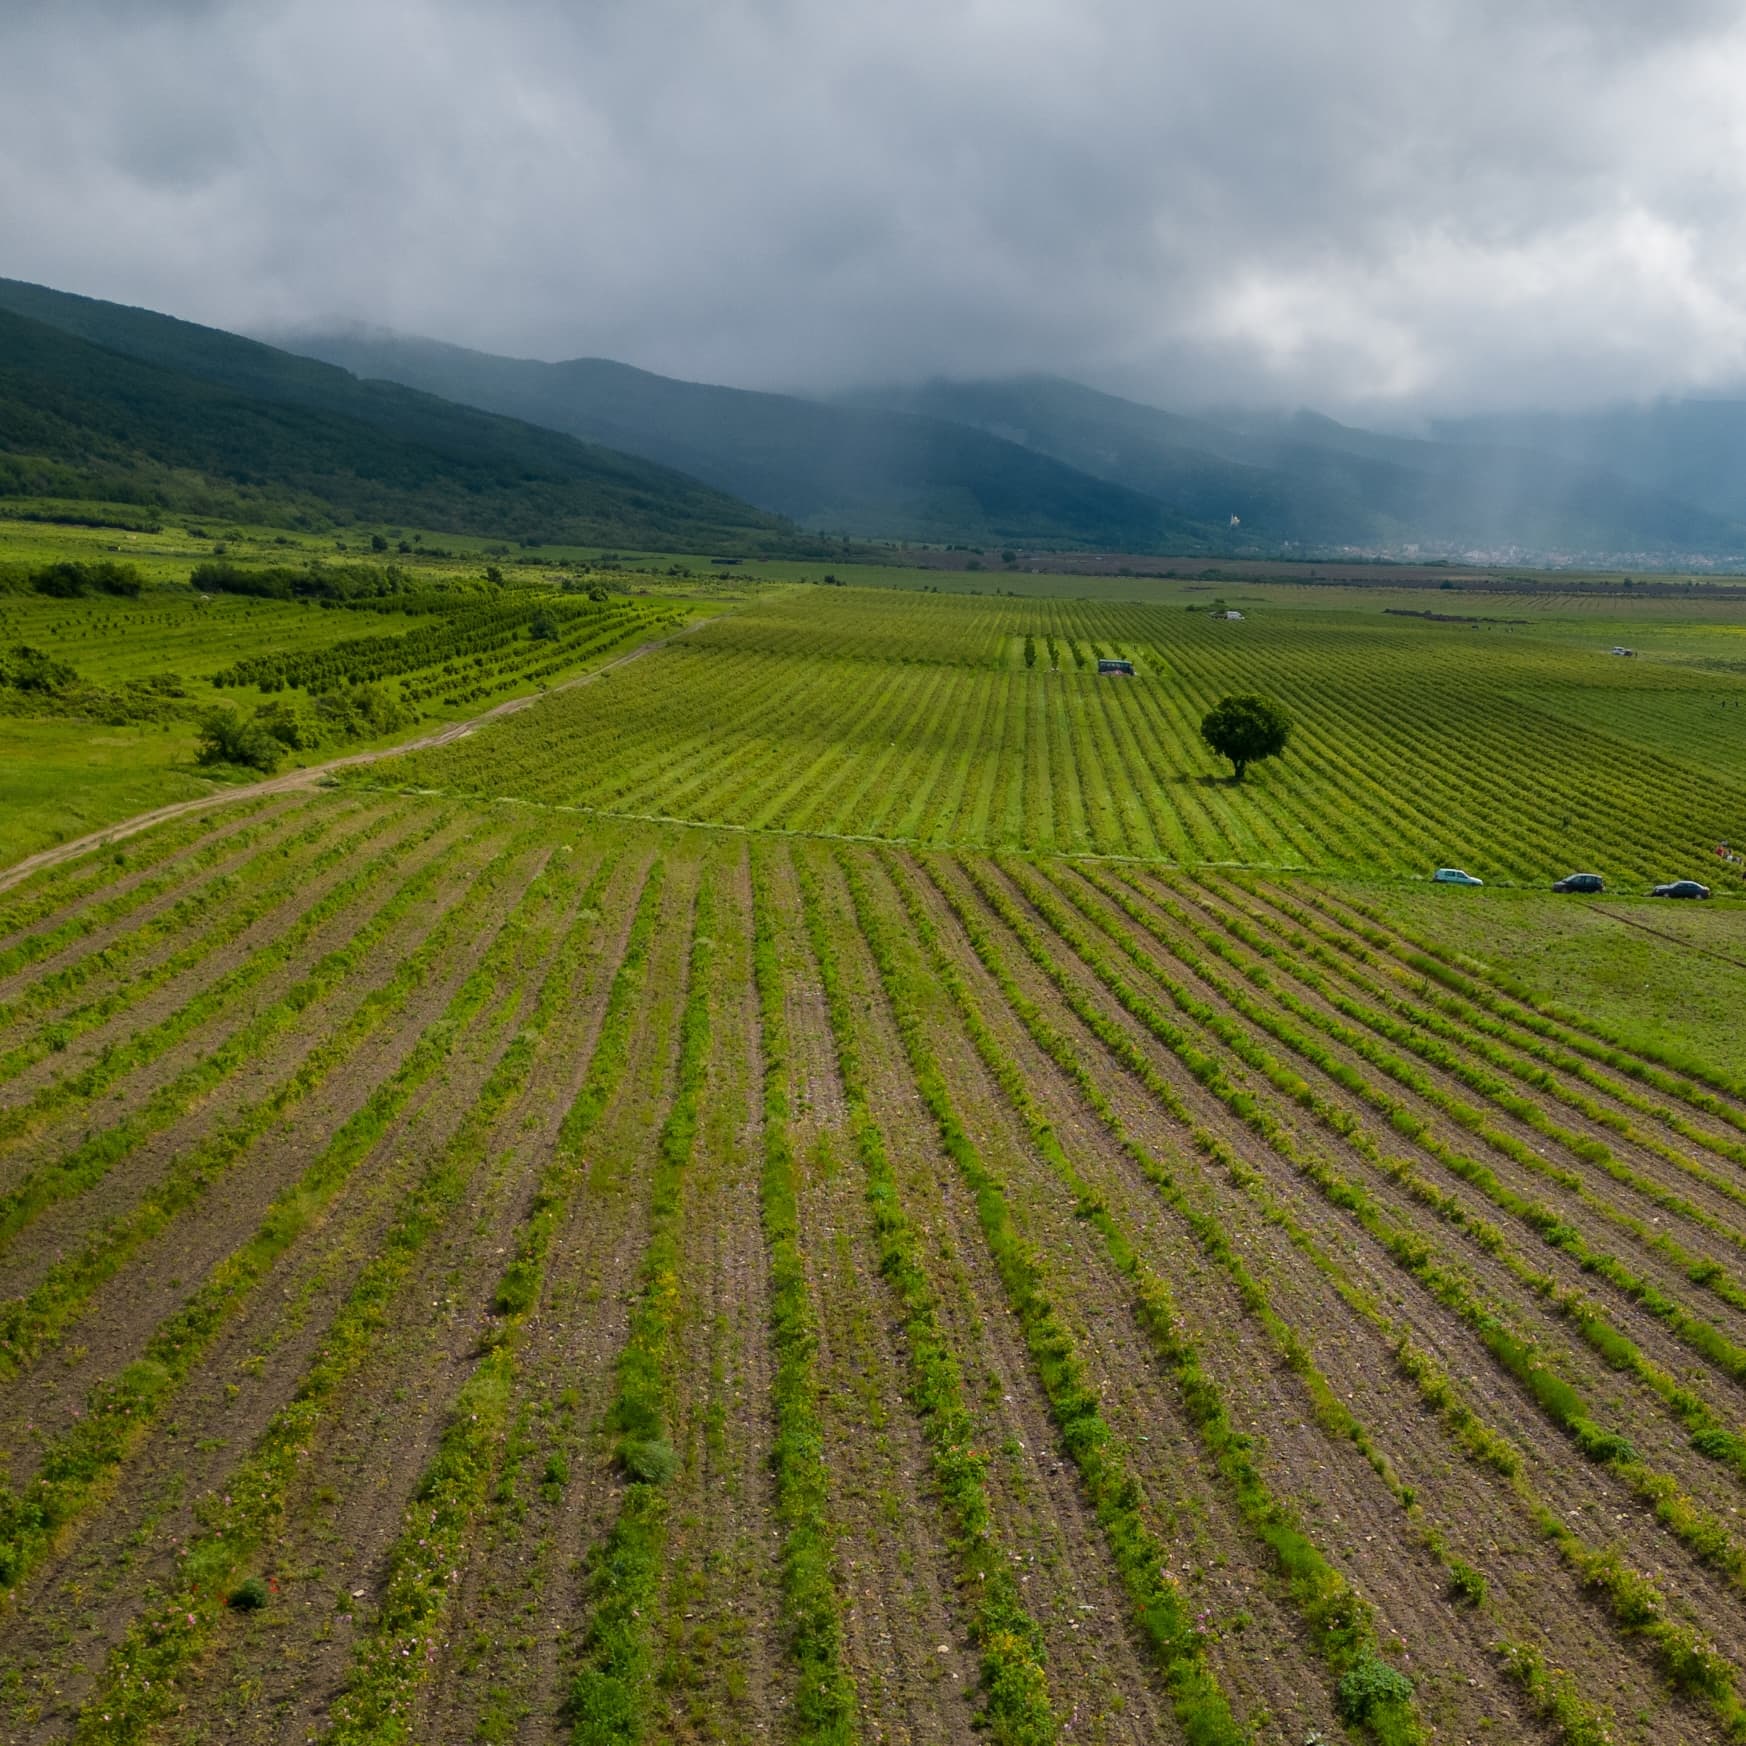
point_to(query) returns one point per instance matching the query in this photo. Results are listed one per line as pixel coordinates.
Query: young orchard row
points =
(792, 1290)
(1409, 747)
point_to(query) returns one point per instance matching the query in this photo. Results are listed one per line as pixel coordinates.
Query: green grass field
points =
(842, 1183)
(67, 771)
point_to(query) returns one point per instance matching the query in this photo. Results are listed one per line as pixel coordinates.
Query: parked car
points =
(1454, 876)
(1580, 882)
(1681, 888)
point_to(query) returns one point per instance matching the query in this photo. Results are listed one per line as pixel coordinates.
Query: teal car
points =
(1454, 876)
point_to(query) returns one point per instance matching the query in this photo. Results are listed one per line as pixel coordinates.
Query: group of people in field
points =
(1724, 853)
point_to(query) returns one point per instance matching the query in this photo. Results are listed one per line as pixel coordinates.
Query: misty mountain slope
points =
(873, 473)
(79, 419)
(1310, 480)
(1690, 449)
(1186, 464)
(1503, 492)
(151, 391)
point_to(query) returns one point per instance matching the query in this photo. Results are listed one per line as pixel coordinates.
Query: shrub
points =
(29, 669)
(226, 738)
(543, 628)
(249, 1595)
(289, 725)
(1369, 1685)
(1466, 1585)
(356, 712)
(649, 1459)
(67, 581)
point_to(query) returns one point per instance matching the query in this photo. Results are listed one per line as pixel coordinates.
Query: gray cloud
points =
(1371, 205)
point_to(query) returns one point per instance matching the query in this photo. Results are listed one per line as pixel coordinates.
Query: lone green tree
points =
(1245, 728)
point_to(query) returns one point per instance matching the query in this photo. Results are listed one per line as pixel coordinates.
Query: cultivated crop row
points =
(842, 723)
(614, 1283)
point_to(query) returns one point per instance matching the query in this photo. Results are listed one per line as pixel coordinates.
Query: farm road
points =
(309, 776)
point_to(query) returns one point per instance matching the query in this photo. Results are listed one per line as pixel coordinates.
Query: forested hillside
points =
(131, 408)
(870, 472)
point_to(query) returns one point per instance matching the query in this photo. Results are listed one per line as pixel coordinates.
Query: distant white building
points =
(1236, 615)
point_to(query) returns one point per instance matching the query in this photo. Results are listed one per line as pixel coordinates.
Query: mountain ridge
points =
(106, 401)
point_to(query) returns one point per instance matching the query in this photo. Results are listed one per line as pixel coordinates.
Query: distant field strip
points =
(617, 1283)
(914, 720)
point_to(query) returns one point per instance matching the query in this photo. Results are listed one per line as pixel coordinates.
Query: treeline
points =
(69, 580)
(33, 682)
(317, 581)
(259, 740)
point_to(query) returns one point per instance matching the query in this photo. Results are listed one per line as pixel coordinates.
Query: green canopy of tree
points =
(1245, 728)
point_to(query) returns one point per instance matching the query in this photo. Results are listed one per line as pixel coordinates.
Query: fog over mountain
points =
(1390, 213)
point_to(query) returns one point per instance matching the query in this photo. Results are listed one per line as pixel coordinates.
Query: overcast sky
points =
(1363, 205)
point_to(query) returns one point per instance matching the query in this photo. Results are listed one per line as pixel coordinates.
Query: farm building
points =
(1232, 614)
(1108, 665)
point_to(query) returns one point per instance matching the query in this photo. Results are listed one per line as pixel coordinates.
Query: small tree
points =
(1245, 729)
(226, 738)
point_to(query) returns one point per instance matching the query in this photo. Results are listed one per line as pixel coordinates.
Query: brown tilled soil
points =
(1264, 1660)
(82, 1601)
(905, 1635)
(1483, 1523)
(118, 996)
(1650, 1333)
(138, 1012)
(109, 1331)
(721, 1673)
(503, 1670)
(275, 837)
(127, 869)
(69, 1222)
(1600, 1232)
(1098, 1676)
(1617, 1399)
(123, 1095)
(352, 1505)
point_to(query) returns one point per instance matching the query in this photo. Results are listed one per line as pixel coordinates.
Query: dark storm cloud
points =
(1366, 203)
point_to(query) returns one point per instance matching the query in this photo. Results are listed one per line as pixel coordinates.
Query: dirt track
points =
(310, 775)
